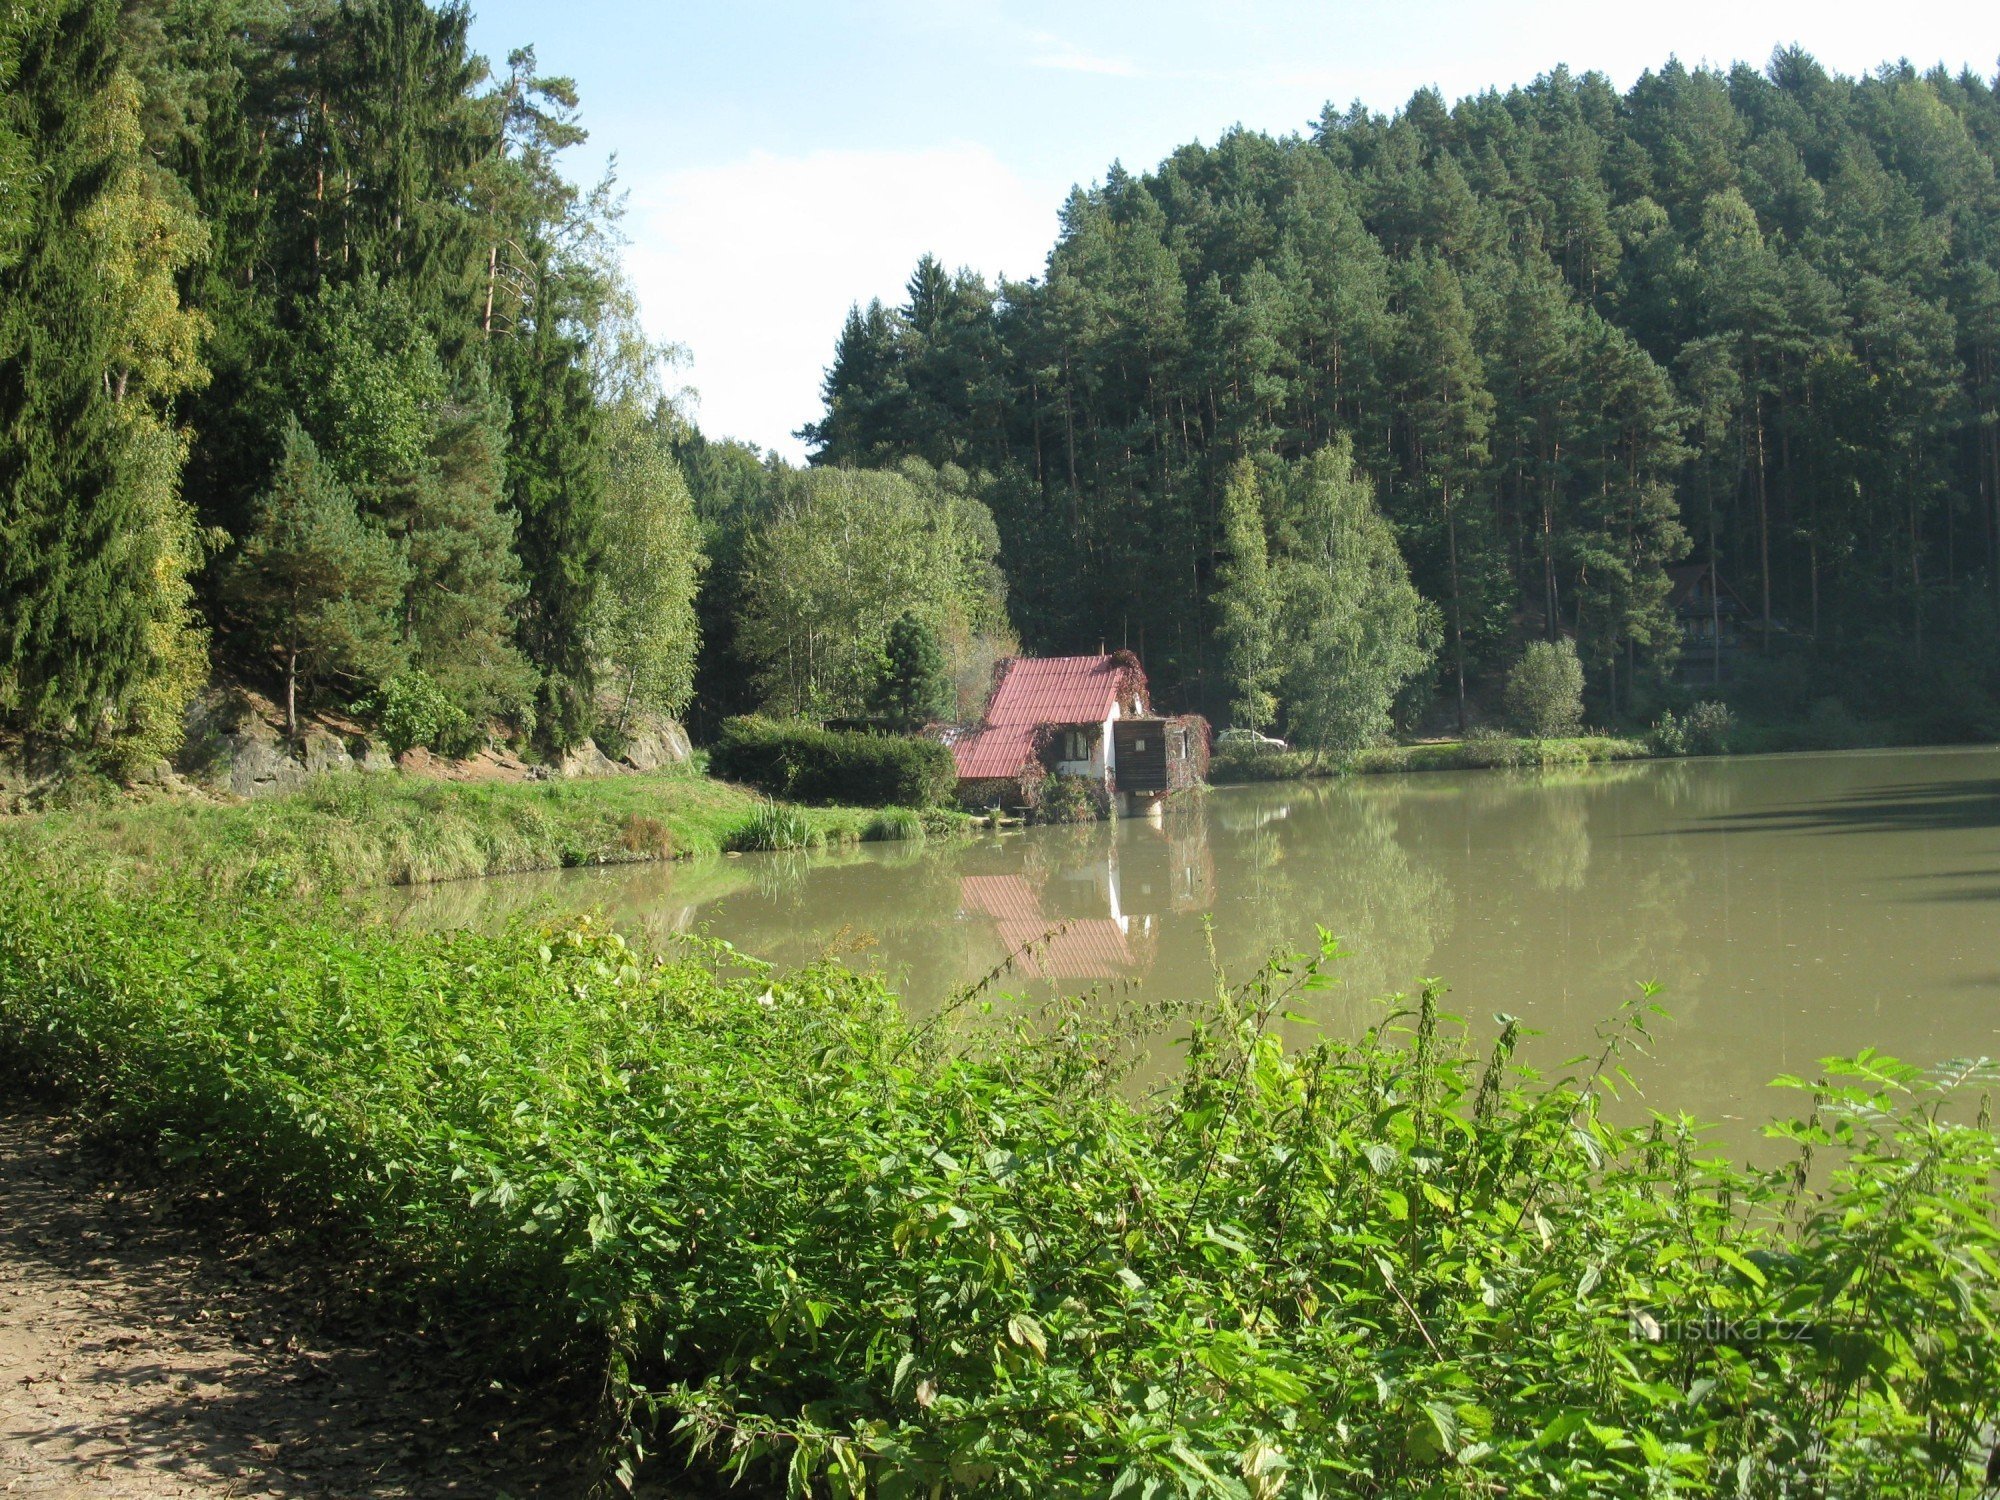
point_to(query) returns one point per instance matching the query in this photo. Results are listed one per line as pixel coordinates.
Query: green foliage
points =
(1352, 630)
(412, 710)
(914, 688)
(1245, 602)
(89, 560)
(319, 584)
(1545, 690)
(1063, 798)
(840, 557)
(1703, 730)
(645, 625)
(809, 764)
(776, 828)
(840, 1255)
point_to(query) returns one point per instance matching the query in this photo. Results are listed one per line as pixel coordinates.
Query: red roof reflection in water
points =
(1049, 948)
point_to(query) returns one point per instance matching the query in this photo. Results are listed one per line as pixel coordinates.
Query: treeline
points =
(1573, 336)
(313, 361)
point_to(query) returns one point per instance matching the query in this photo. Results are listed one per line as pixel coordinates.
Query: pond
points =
(1788, 907)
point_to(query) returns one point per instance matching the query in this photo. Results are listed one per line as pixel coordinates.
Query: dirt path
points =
(144, 1355)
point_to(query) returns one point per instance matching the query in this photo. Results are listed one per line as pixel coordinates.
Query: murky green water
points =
(1790, 907)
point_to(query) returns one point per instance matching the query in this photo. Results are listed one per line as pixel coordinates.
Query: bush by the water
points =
(1064, 798)
(1703, 730)
(809, 764)
(843, 1255)
(1545, 690)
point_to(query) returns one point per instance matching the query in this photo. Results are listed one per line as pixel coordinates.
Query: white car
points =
(1250, 739)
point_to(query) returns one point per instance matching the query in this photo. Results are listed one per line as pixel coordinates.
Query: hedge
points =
(805, 763)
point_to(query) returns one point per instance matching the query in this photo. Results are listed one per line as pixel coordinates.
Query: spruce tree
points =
(914, 689)
(1245, 602)
(76, 597)
(320, 584)
(555, 487)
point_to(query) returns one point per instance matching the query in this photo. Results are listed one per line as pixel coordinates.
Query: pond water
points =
(1789, 907)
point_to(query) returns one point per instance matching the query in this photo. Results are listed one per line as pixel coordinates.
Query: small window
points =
(1138, 745)
(1076, 745)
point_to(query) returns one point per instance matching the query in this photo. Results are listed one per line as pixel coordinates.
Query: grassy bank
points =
(1234, 766)
(341, 832)
(832, 1251)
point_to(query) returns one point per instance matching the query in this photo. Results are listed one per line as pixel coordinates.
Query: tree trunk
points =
(1457, 606)
(292, 697)
(1763, 527)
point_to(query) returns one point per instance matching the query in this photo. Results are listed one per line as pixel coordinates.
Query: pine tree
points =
(1448, 413)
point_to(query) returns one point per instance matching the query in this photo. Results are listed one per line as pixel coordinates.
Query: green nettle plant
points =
(839, 1252)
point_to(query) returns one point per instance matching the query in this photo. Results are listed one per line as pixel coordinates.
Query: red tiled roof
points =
(998, 753)
(1055, 690)
(1030, 692)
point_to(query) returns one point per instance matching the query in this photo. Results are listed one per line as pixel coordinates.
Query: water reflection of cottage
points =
(1098, 914)
(1085, 716)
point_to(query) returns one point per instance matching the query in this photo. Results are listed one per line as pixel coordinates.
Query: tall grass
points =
(833, 1252)
(344, 832)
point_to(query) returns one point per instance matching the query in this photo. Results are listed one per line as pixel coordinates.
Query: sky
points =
(783, 161)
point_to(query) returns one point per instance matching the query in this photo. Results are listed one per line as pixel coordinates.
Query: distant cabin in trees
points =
(1715, 624)
(1088, 716)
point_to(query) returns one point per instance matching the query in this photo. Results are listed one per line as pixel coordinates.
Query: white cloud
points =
(753, 265)
(1054, 52)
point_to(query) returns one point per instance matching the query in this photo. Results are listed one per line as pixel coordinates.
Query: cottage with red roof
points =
(1085, 716)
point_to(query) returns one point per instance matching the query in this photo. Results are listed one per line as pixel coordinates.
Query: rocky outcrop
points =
(656, 745)
(236, 746)
(586, 760)
(487, 765)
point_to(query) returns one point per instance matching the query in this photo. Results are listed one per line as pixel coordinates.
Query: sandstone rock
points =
(324, 751)
(656, 745)
(259, 764)
(418, 761)
(586, 760)
(371, 757)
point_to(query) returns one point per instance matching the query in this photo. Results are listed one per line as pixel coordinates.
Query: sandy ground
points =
(150, 1350)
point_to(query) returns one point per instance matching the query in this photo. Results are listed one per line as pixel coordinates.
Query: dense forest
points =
(315, 364)
(1574, 336)
(318, 372)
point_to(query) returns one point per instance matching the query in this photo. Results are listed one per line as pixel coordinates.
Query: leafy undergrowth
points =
(344, 832)
(827, 1249)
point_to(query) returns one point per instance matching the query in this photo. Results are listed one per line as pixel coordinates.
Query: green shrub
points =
(1703, 731)
(809, 764)
(1234, 764)
(412, 710)
(1545, 690)
(831, 1250)
(1071, 799)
